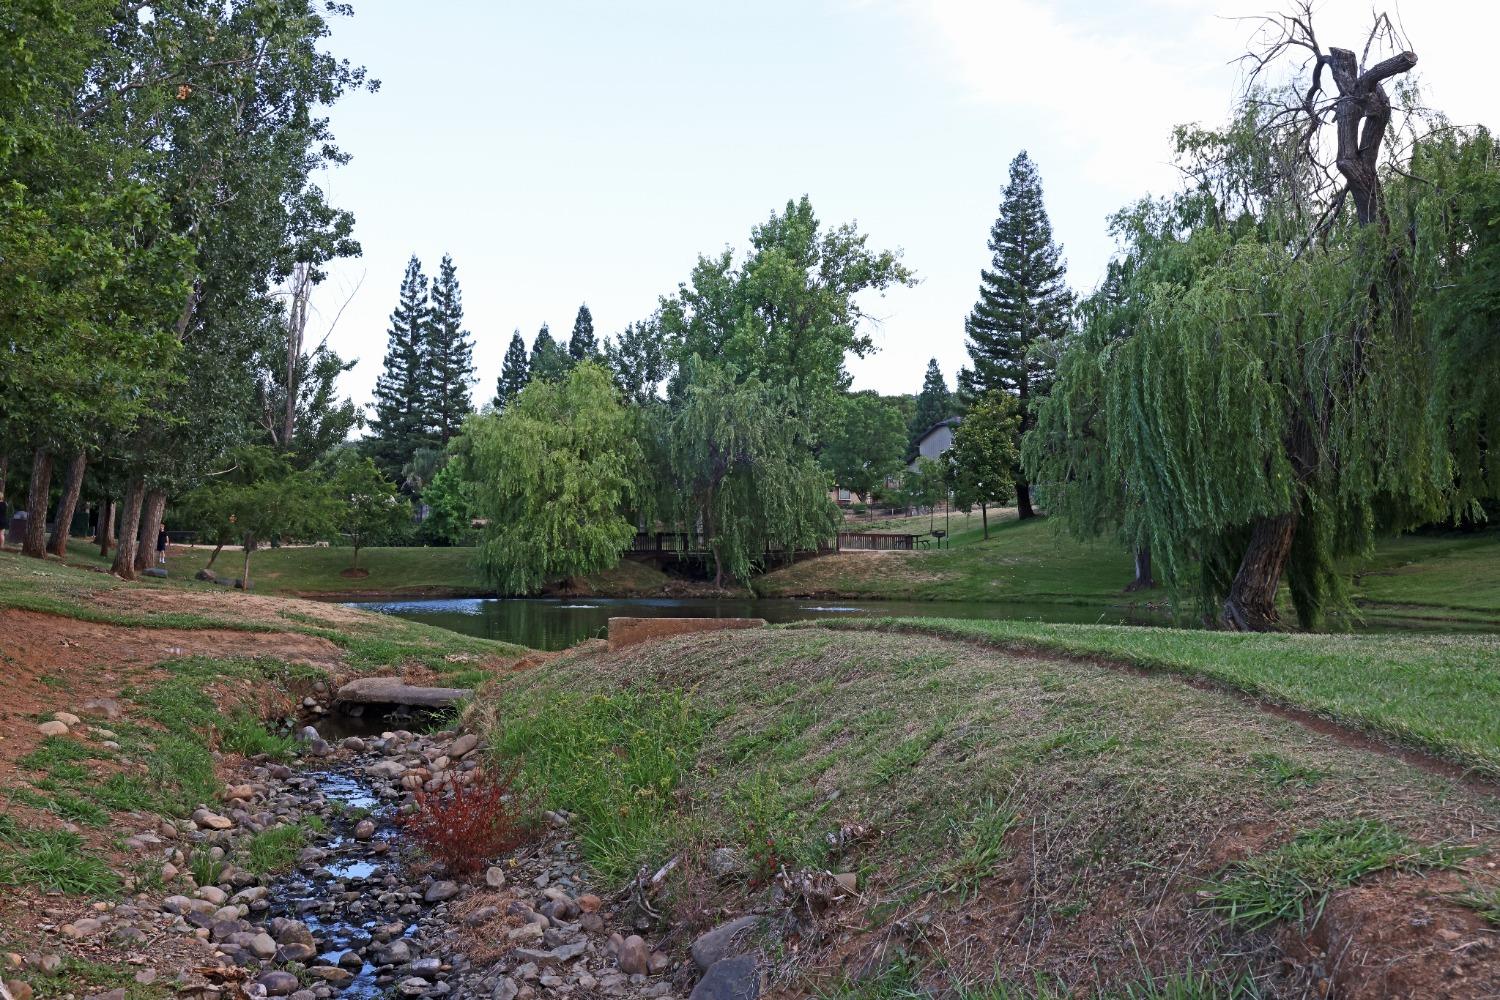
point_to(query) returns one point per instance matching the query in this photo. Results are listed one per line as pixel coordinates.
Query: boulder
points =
(724, 941)
(630, 631)
(729, 979)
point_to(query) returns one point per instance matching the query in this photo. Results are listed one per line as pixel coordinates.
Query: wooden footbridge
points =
(659, 547)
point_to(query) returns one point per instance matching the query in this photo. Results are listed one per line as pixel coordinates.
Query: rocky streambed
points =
(358, 914)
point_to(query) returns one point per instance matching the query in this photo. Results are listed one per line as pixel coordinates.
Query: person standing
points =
(161, 545)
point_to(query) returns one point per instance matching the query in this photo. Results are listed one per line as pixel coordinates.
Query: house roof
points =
(949, 422)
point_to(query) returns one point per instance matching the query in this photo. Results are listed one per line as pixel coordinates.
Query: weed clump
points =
(1294, 881)
(465, 825)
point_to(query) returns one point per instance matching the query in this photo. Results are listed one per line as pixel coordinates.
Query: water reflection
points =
(560, 623)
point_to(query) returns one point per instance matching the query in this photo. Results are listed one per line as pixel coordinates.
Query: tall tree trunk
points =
(72, 486)
(1251, 604)
(1023, 501)
(984, 516)
(130, 522)
(4, 471)
(1143, 578)
(245, 571)
(106, 534)
(145, 553)
(39, 491)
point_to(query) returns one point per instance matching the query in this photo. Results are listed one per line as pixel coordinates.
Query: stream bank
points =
(358, 914)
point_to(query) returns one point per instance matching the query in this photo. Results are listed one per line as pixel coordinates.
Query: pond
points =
(559, 623)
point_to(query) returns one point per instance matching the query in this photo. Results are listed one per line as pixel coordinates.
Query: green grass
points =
(614, 758)
(1293, 882)
(1452, 577)
(275, 850)
(80, 976)
(1485, 900)
(1435, 692)
(907, 979)
(53, 861)
(1023, 561)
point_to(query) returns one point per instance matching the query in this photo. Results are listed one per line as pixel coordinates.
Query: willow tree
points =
(555, 476)
(740, 473)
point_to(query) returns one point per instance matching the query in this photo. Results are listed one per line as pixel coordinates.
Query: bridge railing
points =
(877, 541)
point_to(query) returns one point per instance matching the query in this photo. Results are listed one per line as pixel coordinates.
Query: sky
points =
(568, 152)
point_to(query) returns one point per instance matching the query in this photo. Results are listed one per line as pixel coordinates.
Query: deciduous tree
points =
(554, 475)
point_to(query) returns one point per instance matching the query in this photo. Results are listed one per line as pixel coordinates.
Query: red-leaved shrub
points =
(465, 825)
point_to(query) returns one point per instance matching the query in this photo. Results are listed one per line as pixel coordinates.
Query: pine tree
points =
(450, 355)
(934, 404)
(583, 345)
(1024, 304)
(549, 360)
(400, 425)
(515, 372)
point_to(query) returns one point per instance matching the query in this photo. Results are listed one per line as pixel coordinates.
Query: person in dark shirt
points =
(161, 546)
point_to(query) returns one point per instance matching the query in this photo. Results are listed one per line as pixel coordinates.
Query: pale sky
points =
(570, 151)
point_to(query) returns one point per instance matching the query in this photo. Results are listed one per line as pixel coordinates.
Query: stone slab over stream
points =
(391, 691)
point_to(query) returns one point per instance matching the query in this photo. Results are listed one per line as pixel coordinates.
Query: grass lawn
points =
(1022, 561)
(1100, 829)
(1452, 576)
(1435, 692)
(306, 571)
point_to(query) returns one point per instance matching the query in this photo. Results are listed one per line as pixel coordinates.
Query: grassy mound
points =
(1099, 828)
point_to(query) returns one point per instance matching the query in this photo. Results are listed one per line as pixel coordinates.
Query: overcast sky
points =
(567, 152)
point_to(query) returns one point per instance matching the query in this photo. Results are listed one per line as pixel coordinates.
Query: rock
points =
(524, 933)
(589, 903)
(413, 986)
(725, 863)
(246, 792)
(51, 964)
(291, 932)
(331, 975)
(20, 991)
(156, 573)
(294, 951)
(494, 877)
(387, 769)
(658, 963)
(848, 881)
(462, 746)
(263, 946)
(724, 941)
(353, 744)
(53, 728)
(439, 891)
(277, 983)
(206, 820)
(505, 989)
(107, 707)
(67, 718)
(146, 977)
(118, 993)
(364, 829)
(729, 979)
(212, 894)
(634, 957)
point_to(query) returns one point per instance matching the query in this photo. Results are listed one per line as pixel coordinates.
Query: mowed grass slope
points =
(1099, 829)
(1430, 691)
(1021, 561)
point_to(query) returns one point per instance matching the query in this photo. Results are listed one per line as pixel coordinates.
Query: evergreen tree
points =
(450, 355)
(400, 424)
(934, 404)
(583, 344)
(515, 372)
(549, 359)
(1024, 305)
